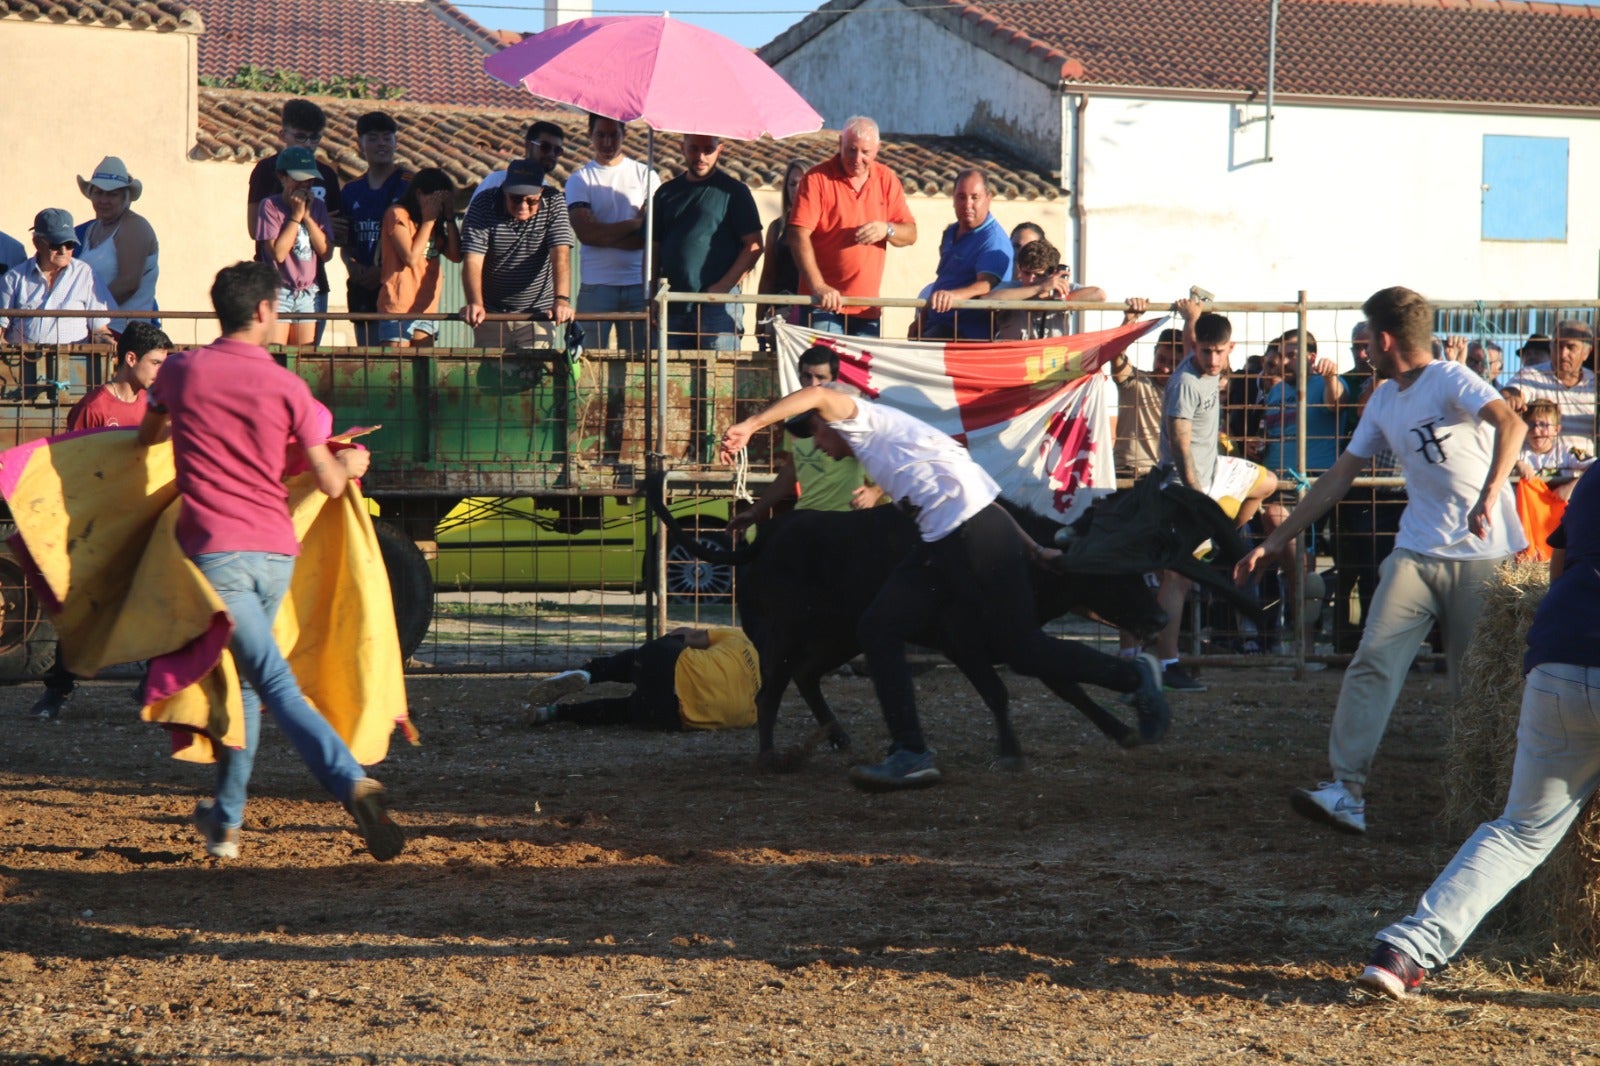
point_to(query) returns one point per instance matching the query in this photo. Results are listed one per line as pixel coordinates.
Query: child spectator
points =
(141, 350)
(417, 231)
(364, 201)
(294, 225)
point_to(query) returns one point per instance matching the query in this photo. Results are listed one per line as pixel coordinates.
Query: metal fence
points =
(507, 481)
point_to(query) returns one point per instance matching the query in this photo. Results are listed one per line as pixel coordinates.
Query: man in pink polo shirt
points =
(232, 412)
(846, 214)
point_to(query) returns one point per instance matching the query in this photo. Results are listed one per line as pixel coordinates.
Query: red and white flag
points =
(1032, 413)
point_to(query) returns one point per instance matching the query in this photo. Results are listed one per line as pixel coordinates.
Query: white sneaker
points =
(1331, 802)
(555, 686)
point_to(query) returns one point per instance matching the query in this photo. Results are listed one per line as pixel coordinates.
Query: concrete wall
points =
(1352, 201)
(901, 70)
(140, 104)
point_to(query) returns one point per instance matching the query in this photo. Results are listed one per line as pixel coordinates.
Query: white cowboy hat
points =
(111, 174)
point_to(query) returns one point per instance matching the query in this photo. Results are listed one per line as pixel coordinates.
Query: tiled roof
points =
(426, 47)
(166, 15)
(1469, 51)
(469, 142)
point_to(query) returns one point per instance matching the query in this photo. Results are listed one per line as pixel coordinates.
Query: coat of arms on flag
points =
(1033, 413)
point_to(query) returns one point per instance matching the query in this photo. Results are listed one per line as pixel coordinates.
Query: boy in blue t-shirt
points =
(365, 200)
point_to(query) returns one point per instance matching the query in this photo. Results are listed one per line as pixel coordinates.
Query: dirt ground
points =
(576, 895)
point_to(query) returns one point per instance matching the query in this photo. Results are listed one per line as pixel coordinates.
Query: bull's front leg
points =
(1108, 723)
(808, 682)
(992, 690)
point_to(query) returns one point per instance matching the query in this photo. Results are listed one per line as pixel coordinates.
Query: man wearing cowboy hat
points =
(53, 280)
(118, 244)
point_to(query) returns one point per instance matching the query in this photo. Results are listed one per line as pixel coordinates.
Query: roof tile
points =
(164, 15)
(1467, 51)
(467, 143)
(427, 47)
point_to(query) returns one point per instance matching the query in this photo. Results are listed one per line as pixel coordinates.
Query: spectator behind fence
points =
(974, 259)
(779, 274)
(141, 349)
(1139, 403)
(516, 245)
(1554, 772)
(848, 212)
(1190, 430)
(119, 244)
(607, 197)
(692, 678)
(11, 252)
(1024, 234)
(1487, 360)
(1368, 517)
(417, 232)
(544, 143)
(303, 126)
(294, 226)
(1038, 274)
(707, 238)
(365, 200)
(1566, 380)
(233, 412)
(53, 280)
(1457, 442)
(1549, 455)
(1280, 425)
(806, 474)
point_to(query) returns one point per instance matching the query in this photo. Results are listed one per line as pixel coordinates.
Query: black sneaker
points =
(1391, 972)
(1176, 679)
(370, 806)
(47, 708)
(1148, 699)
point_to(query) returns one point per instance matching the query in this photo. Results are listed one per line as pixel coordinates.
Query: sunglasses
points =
(548, 148)
(64, 246)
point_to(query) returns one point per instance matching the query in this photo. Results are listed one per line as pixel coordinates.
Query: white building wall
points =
(1352, 201)
(862, 64)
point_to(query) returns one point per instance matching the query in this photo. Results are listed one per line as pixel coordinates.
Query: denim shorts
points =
(395, 330)
(292, 302)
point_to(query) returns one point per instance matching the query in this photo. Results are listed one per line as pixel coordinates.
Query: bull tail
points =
(654, 494)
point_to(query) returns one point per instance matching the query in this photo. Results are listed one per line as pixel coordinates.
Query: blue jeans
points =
(320, 305)
(703, 327)
(1556, 770)
(850, 325)
(593, 299)
(252, 585)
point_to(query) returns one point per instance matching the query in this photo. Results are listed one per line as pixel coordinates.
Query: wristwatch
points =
(889, 231)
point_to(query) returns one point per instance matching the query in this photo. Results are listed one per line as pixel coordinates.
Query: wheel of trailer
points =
(691, 580)
(27, 637)
(410, 583)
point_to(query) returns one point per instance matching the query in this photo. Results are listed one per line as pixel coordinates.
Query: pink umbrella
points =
(675, 76)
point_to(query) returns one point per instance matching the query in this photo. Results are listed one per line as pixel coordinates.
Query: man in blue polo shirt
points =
(364, 201)
(974, 257)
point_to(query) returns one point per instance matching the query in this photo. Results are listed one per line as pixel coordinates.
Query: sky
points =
(749, 22)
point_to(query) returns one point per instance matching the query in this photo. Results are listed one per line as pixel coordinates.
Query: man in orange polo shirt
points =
(848, 211)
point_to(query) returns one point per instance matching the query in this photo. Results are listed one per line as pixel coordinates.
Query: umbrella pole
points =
(660, 547)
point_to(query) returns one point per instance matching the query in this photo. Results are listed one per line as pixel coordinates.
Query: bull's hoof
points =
(782, 762)
(1010, 763)
(838, 739)
(1129, 739)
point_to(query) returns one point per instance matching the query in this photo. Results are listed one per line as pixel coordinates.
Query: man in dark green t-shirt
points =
(708, 237)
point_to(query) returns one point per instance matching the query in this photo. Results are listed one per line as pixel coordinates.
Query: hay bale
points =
(1559, 906)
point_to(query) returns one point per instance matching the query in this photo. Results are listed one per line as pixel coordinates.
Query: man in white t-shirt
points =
(972, 556)
(606, 199)
(1456, 441)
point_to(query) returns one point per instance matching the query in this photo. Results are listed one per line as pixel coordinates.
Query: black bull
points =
(808, 578)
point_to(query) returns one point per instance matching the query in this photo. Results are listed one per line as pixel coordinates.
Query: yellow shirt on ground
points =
(717, 685)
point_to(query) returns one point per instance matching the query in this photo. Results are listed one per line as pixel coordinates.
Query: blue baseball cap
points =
(54, 224)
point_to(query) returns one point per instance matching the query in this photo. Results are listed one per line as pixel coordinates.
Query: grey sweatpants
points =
(1414, 592)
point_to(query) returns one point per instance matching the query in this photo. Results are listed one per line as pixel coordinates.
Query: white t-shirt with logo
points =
(918, 466)
(1445, 451)
(613, 194)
